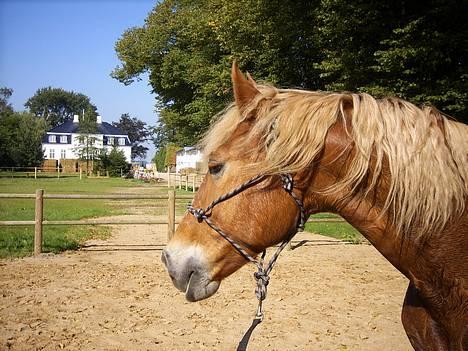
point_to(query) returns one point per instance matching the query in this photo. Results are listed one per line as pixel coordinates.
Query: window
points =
(63, 154)
(121, 141)
(63, 139)
(110, 141)
(52, 154)
(52, 139)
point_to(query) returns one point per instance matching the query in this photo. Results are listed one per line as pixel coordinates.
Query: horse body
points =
(435, 310)
(346, 162)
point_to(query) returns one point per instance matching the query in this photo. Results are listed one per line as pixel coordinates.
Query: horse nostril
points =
(165, 258)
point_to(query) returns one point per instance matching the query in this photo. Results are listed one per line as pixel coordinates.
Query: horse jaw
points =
(189, 271)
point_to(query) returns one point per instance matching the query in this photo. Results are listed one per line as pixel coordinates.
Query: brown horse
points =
(397, 173)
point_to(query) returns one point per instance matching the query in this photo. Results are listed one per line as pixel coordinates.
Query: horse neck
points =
(363, 210)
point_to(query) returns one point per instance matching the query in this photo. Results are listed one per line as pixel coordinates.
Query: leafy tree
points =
(56, 105)
(117, 162)
(138, 132)
(113, 162)
(395, 47)
(5, 94)
(87, 148)
(187, 48)
(159, 159)
(21, 140)
(170, 155)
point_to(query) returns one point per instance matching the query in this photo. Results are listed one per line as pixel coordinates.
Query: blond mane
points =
(426, 153)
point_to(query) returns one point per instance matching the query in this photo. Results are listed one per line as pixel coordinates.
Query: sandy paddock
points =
(116, 295)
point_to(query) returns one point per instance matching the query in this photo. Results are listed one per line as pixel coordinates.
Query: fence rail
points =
(39, 221)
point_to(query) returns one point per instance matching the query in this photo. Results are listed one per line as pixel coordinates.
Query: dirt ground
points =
(116, 295)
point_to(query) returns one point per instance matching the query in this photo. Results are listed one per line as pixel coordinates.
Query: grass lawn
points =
(18, 241)
(340, 230)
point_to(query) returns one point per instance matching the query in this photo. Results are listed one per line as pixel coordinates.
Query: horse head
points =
(197, 257)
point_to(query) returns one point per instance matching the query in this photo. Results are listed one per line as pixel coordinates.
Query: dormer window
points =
(121, 141)
(110, 141)
(63, 139)
(52, 139)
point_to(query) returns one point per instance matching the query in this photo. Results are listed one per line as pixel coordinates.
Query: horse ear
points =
(244, 88)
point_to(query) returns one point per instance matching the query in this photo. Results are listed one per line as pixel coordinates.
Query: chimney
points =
(76, 118)
(98, 119)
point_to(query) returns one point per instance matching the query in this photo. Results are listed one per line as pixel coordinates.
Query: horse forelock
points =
(426, 153)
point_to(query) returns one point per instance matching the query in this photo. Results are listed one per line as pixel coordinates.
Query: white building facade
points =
(188, 157)
(63, 141)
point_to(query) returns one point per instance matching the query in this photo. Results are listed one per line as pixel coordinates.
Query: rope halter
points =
(262, 276)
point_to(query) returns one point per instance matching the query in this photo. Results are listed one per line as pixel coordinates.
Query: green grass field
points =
(18, 241)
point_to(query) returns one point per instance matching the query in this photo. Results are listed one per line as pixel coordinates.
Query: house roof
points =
(102, 128)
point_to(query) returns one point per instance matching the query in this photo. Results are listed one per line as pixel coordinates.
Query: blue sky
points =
(69, 44)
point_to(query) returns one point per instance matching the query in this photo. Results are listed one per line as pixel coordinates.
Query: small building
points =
(188, 157)
(63, 141)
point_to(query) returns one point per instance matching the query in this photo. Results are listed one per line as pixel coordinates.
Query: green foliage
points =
(87, 148)
(117, 162)
(113, 162)
(56, 105)
(419, 53)
(395, 47)
(21, 139)
(188, 46)
(5, 94)
(138, 132)
(159, 159)
(170, 155)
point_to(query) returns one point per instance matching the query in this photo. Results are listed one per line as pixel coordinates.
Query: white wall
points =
(184, 159)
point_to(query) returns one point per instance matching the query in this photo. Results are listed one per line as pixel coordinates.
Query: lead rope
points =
(262, 276)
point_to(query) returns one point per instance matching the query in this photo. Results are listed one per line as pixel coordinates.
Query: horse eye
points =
(216, 169)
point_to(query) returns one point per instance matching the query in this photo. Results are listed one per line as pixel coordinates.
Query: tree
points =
(5, 94)
(138, 132)
(117, 162)
(395, 47)
(419, 53)
(188, 47)
(159, 159)
(87, 148)
(20, 135)
(113, 162)
(56, 105)
(21, 140)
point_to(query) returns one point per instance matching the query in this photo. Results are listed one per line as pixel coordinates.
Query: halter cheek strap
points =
(262, 276)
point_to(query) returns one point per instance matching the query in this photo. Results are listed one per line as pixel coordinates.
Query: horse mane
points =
(426, 153)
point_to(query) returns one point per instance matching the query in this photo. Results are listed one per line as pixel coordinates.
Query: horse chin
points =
(200, 287)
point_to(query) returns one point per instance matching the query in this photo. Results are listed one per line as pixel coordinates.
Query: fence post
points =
(168, 178)
(81, 173)
(171, 214)
(194, 177)
(35, 172)
(58, 172)
(186, 182)
(38, 221)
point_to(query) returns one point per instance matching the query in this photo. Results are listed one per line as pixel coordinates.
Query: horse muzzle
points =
(189, 272)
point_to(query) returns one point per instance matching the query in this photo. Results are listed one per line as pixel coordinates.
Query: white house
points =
(62, 141)
(188, 158)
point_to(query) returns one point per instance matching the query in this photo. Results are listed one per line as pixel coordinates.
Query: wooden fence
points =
(188, 182)
(38, 172)
(39, 221)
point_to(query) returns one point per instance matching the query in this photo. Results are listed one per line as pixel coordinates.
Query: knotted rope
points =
(262, 276)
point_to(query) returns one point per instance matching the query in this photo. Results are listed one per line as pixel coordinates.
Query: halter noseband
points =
(262, 276)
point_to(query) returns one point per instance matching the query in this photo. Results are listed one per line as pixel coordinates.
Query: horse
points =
(396, 172)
